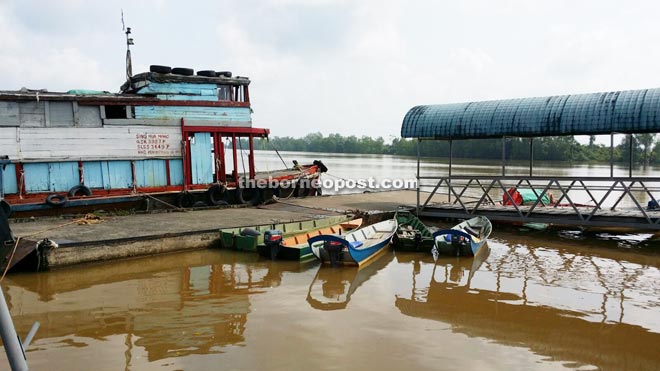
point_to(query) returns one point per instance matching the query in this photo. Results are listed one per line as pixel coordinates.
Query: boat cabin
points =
(163, 132)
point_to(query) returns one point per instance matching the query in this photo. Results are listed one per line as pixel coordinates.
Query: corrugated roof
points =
(632, 111)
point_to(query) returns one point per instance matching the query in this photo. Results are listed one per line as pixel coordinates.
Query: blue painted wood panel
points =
(119, 174)
(150, 173)
(180, 88)
(187, 97)
(176, 172)
(228, 114)
(93, 171)
(200, 153)
(9, 185)
(36, 177)
(63, 176)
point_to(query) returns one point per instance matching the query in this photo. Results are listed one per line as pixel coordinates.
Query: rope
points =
(338, 177)
(278, 152)
(240, 146)
(13, 252)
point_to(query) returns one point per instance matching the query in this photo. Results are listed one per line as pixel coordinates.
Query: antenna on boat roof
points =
(129, 42)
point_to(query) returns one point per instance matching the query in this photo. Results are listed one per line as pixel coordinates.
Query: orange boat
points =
(295, 247)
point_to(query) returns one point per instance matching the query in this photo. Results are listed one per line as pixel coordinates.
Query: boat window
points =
(224, 92)
(115, 112)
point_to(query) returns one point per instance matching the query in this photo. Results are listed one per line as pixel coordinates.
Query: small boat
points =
(412, 234)
(248, 238)
(21, 253)
(295, 247)
(464, 239)
(331, 289)
(354, 248)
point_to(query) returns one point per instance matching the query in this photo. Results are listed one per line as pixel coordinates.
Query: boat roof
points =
(632, 111)
(143, 79)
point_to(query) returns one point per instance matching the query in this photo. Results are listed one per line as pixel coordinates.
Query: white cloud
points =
(341, 66)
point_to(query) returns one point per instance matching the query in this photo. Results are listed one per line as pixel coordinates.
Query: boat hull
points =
(462, 239)
(357, 247)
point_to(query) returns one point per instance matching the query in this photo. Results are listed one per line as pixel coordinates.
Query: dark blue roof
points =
(632, 111)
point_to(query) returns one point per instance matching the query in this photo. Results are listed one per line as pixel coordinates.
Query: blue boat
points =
(354, 248)
(464, 239)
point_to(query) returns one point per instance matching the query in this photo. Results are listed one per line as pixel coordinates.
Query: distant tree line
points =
(645, 148)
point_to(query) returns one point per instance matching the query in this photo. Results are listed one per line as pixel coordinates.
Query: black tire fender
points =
(79, 190)
(6, 208)
(160, 69)
(183, 71)
(223, 73)
(185, 199)
(206, 73)
(216, 195)
(56, 200)
(250, 196)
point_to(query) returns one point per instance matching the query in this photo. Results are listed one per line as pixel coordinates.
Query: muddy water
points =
(542, 302)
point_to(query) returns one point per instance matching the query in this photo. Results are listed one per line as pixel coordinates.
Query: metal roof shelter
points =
(632, 111)
(622, 112)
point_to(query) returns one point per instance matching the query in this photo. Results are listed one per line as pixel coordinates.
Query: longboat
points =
(354, 248)
(250, 237)
(465, 238)
(295, 247)
(169, 136)
(412, 234)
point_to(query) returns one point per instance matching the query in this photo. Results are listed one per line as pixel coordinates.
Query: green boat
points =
(412, 234)
(248, 238)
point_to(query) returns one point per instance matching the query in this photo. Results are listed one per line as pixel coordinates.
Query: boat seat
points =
(471, 231)
(355, 244)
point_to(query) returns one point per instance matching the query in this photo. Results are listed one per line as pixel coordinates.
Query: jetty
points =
(83, 240)
(615, 202)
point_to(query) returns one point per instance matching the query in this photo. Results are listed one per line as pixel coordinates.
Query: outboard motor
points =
(273, 242)
(335, 251)
(458, 243)
(6, 237)
(417, 239)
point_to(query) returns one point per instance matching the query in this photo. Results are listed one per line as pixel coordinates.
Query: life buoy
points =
(216, 195)
(56, 200)
(185, 199)
(79, 190)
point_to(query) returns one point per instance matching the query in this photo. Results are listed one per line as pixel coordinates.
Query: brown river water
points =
(533, 301)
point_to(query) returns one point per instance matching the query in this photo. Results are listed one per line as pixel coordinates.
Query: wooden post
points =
(251, 158)
(223, 172)
(233, 146)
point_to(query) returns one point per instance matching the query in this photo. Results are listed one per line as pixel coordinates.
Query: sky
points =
(353, 67)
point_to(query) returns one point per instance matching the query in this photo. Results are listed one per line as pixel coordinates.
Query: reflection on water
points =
(175, 305)
(587, 309)
(332, 288)
(525, 303)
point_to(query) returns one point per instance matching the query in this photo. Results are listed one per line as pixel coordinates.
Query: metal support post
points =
(418, 180)
(630, 155)
(503, 155)
(10, 339)
(451, 156)
(612, 155)
(531, 155)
